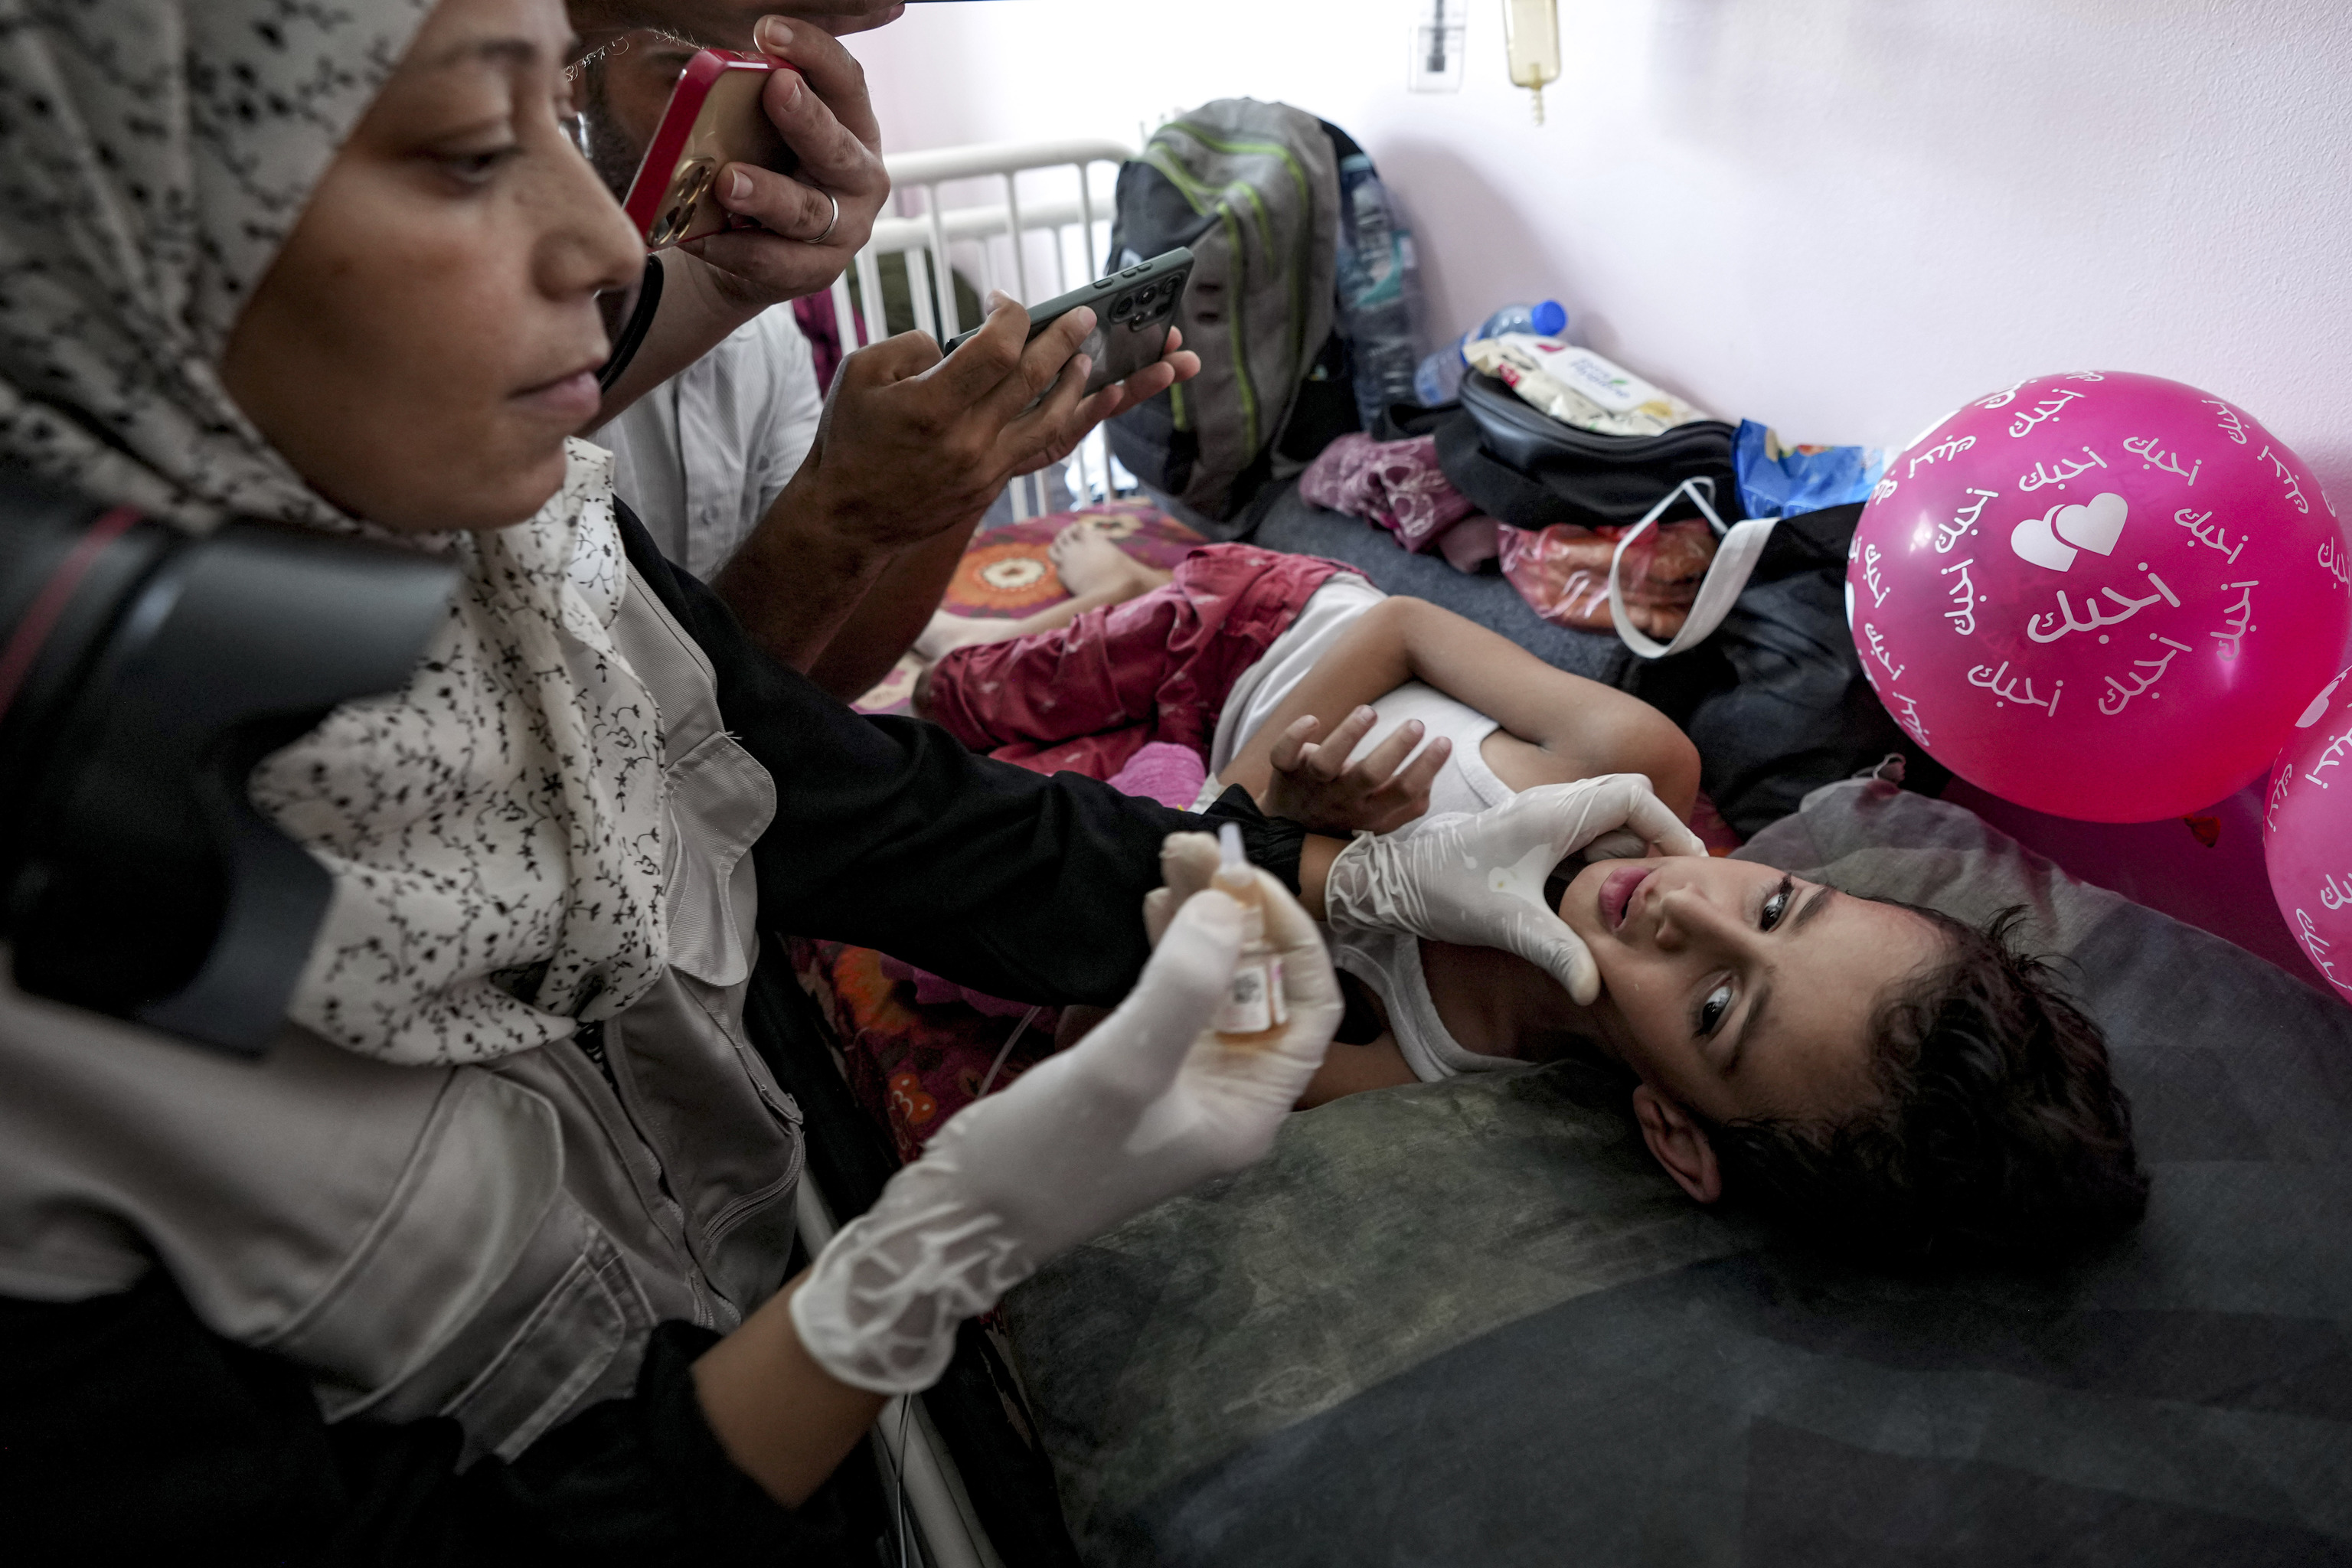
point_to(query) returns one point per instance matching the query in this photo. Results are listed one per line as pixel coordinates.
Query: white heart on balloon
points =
(2033, 541)
(2093, 526)
(2318, 709)
(2052, 538)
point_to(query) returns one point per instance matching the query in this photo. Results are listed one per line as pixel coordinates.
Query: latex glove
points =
(1479, 880)
(1147, 1105)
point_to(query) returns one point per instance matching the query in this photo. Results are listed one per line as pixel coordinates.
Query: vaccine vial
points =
(1531, 38)
(1253, 1011)
(1439, 27)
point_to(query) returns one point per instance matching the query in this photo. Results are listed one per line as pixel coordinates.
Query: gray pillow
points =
(1471, 1322)
(2225, 1056)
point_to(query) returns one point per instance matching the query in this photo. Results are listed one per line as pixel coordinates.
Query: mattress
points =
(1472, 1323)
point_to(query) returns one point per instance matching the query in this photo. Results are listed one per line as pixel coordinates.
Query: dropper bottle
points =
(1253, 1011)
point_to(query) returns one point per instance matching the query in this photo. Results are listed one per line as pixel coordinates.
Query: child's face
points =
(1738, 992)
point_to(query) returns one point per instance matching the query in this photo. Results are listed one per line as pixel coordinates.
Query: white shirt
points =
(1389, 963)
(702, 456)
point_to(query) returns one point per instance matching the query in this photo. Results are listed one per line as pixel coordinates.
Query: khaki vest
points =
(489, 1243)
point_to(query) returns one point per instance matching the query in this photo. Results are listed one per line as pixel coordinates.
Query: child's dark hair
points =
(1998, 1128)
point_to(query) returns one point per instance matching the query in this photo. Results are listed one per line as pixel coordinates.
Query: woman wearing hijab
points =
(487, 1254)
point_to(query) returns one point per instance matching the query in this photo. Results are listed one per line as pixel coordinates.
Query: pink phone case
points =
(714, 119)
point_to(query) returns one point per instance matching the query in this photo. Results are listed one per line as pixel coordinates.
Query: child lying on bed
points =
(1884, 1075)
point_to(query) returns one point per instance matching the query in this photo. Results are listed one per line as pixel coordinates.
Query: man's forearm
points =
(797, 580)
(695, 315)
(892, 614)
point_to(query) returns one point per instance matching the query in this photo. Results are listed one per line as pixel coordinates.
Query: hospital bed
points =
(1468, 1322)
(1471, 1322)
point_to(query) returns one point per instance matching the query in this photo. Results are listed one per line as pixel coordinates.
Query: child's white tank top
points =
(1464, 784)
(1389, 963)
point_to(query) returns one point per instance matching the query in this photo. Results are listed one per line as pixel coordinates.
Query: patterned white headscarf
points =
(495, 831)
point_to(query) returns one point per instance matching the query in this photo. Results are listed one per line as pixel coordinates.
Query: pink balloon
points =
(2101, 596)
(2307, 833)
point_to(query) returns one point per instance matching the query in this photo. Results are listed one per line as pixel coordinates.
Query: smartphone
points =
(714, 119)
(1133, 309)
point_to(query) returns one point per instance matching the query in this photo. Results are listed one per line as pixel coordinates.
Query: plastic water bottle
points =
(1439, 379)
(1379, 290)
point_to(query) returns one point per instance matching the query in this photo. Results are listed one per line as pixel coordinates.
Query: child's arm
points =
(1556, 727)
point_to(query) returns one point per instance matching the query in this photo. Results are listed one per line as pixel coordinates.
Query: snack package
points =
(1562, 571)
(1579, 387)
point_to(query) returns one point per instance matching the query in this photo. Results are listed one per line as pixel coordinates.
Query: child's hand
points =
(1316, 785)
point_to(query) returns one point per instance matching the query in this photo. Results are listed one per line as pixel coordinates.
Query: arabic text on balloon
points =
(2287, 477)
(2230, 425)
(2239, 618)
(2059, 473)
(1950, 448)
(1948, 534)
(2049, 409)
(2215, 537)
(2308, 934)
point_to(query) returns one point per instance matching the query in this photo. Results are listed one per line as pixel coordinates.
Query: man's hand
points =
(839, 16)
(1325, 790)
(1176, 363)
(913, 443)
(914, 446)
(822, 110)
(911, 447)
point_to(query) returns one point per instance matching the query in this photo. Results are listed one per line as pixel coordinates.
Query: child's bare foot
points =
(1091, 564)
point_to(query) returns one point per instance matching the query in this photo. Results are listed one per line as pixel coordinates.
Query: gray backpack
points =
(1253, 189)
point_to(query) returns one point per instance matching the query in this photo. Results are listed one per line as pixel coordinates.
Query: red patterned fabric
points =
(911, 1065)
(1396, 484)
(1088, 696)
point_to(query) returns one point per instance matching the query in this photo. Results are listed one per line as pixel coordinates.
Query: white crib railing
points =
(1029, 218)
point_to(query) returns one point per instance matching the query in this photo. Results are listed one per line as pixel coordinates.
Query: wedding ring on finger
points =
(830, 222)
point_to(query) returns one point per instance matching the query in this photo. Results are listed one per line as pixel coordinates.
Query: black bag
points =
(1776, 699)
(1520, 466)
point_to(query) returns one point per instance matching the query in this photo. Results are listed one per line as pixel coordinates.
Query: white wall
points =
(1841, 216)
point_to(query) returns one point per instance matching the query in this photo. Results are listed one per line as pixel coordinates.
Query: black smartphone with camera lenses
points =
(1133, 308)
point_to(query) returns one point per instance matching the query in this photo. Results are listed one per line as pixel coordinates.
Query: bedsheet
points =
(1470, 1322)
